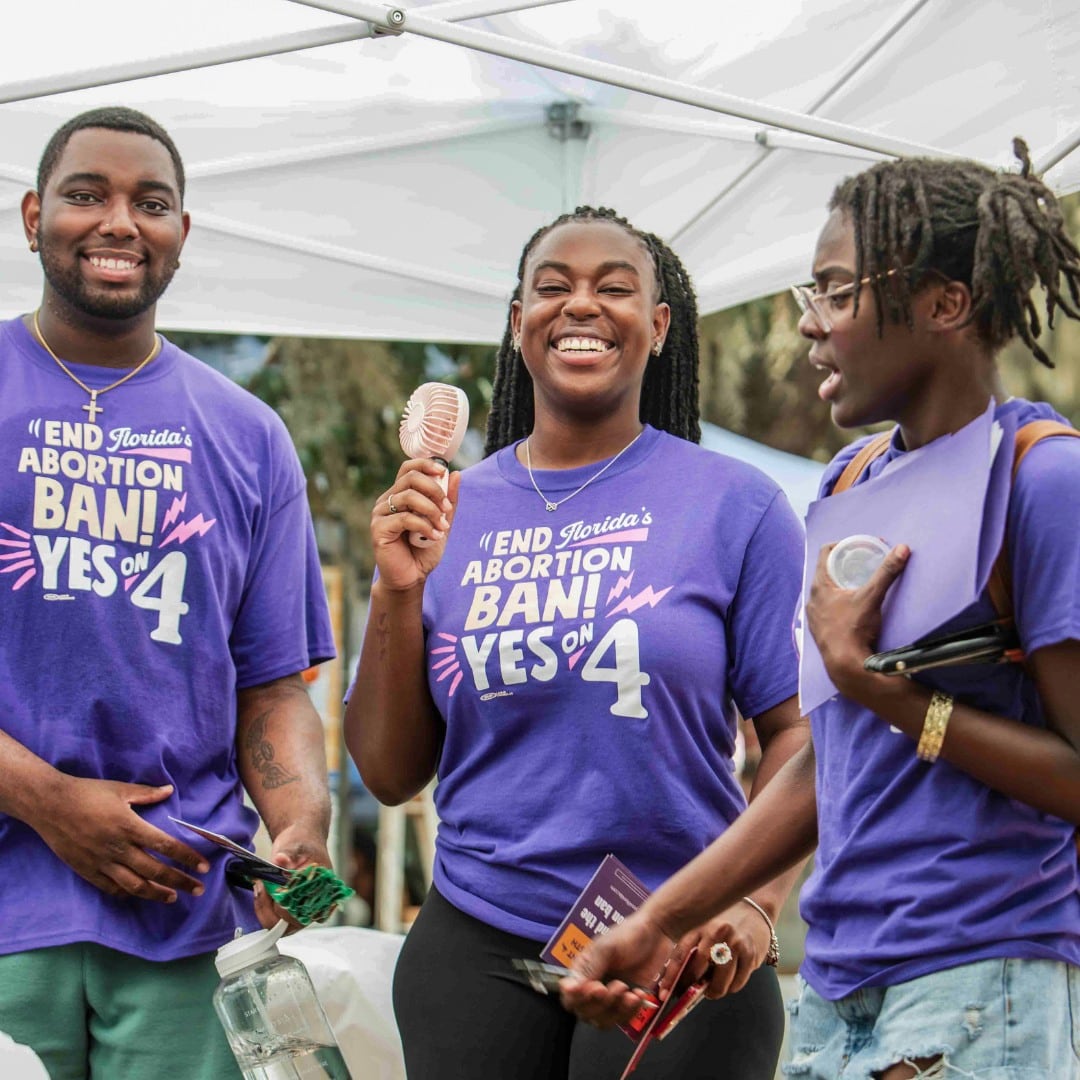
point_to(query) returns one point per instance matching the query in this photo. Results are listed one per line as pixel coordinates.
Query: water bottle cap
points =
(249, 949)
(852, 562)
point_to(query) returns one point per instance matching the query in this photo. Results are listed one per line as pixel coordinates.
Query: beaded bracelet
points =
(934, 725)
(772, 957)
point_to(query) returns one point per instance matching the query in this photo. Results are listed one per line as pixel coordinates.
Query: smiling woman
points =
(573, 668)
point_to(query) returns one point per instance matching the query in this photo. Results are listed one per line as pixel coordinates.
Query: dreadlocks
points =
(999, 233)
(669, 391)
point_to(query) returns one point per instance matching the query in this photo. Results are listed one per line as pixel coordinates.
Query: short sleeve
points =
(283, 622)
(764, 666)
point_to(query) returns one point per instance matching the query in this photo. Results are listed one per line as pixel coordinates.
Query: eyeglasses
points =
(810, 302)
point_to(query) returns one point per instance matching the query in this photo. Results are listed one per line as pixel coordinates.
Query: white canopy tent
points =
(353, 185)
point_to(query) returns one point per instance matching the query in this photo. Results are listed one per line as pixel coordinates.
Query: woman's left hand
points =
(845, 623)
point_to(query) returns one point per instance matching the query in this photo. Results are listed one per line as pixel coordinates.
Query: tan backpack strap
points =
(856, 466)
(1000, 584)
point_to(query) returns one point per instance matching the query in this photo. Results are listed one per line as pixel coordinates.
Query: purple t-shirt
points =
(150, 565)
(919, 866)
(589, 662)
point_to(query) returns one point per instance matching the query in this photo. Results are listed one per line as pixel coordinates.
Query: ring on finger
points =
(720, 953)
(390, 504)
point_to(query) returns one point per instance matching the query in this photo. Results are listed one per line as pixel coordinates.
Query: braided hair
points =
(999, 233)
(669, 390)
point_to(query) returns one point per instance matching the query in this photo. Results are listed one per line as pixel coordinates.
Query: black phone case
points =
(990, 643)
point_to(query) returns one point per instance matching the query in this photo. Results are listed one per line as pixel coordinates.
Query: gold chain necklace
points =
(551, 505)
(94, 408)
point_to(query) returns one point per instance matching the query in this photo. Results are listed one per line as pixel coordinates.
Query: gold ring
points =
(390, 503)
(720, 953)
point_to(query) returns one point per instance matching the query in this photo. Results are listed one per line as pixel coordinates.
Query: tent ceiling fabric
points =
(383, 187)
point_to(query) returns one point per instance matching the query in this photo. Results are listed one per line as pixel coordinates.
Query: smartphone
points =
(243, 873)
(990, 643)
(543, 978)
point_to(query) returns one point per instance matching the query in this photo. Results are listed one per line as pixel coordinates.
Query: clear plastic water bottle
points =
(275, 1025)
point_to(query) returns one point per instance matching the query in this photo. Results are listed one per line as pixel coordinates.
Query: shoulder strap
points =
(1000, 584)
(855, 467)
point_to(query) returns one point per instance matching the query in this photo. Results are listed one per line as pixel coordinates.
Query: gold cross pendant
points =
(93, 408)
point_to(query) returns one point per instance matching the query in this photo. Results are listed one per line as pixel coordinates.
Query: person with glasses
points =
(943, 911)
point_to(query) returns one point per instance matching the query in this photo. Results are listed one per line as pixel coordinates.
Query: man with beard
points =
(160, 593)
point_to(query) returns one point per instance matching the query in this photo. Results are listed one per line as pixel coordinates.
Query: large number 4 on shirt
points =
(169, 576)
(625, 673)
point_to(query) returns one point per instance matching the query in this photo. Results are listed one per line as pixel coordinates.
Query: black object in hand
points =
(989, 643)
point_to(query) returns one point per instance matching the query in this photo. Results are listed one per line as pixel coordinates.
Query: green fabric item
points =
(89, 1011)
(311, 894)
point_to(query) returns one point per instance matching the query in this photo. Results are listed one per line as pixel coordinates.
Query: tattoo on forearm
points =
(261, 751)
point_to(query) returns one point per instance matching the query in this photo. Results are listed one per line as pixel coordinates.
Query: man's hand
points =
(293, 848)
(91, 826)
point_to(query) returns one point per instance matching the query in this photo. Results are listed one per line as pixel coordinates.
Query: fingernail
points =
(438, 534)
(447, 504)
(444, 522)
(203, 867)
(197, 891)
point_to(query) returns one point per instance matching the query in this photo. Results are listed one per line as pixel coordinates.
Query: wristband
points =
(772, 957)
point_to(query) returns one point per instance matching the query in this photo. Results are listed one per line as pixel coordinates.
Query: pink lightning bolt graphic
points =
(646, 596)
(187, 529)
(174, 511)
(620, 586)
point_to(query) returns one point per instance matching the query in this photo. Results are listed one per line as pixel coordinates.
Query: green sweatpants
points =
(92, 1013)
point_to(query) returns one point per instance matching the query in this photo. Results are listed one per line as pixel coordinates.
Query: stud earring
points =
(517, 344)
(33, 244)
(658, 348)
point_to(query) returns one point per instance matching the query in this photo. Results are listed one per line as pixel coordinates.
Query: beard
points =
(99, 302)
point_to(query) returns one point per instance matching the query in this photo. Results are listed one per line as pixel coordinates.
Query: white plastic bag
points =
(352, 969)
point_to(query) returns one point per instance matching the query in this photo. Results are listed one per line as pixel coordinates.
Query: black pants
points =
(464, 1014)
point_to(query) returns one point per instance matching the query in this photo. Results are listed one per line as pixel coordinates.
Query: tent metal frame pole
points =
(1058, 152)
(209, 222)
(398, 20)
(423, 136)
(297, 41)
(858, 62)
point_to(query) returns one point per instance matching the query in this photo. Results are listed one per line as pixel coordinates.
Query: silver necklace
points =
(550, 505)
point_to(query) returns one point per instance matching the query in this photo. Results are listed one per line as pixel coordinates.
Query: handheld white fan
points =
(433, 425)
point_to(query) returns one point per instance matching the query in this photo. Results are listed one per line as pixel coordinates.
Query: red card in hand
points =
(671, 1011)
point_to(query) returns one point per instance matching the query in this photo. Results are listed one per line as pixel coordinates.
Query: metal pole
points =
(349, 256)
(212, 56)
(398, 20)
(768, 141)
(1059, 152)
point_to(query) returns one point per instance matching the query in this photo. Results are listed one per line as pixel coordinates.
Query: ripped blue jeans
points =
(992, 1019)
